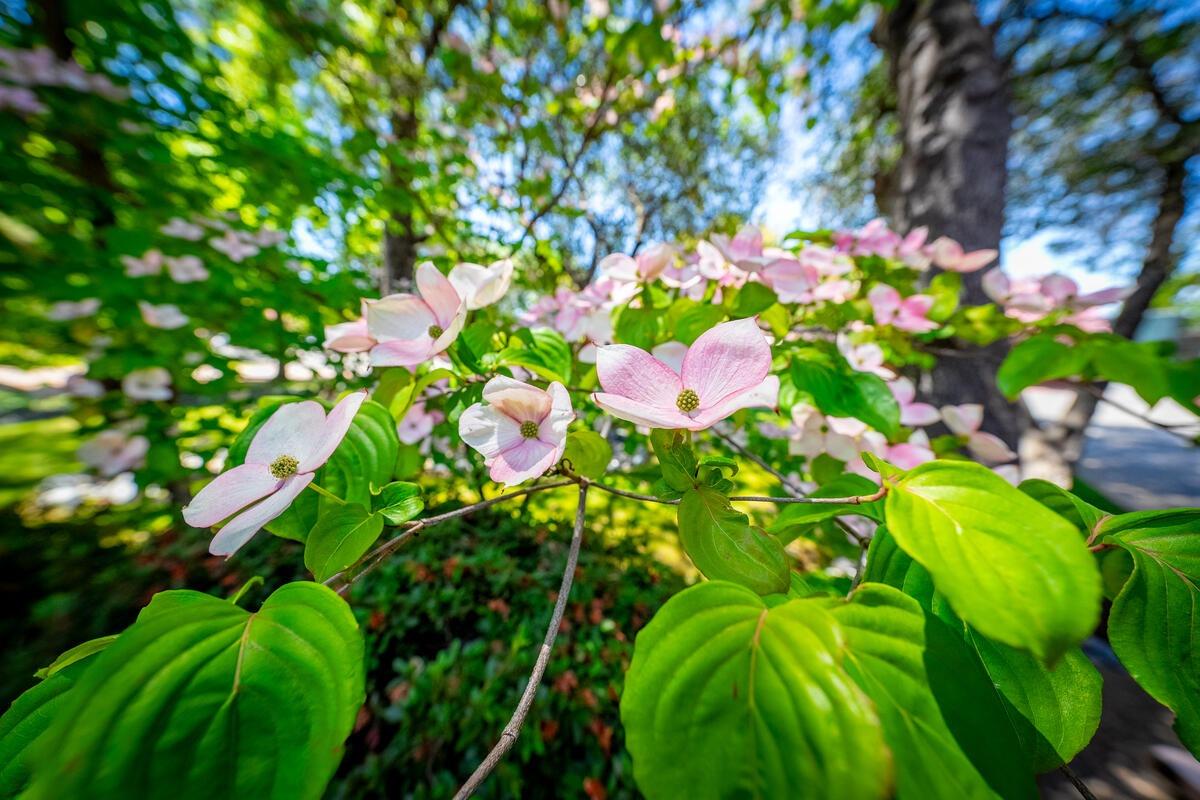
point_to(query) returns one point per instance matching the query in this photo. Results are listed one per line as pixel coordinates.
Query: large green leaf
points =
(200, 698)
(342, 534)
(28, 718)
(885, 654)
(1012, 715)
(1037, 359)
(727, 698)
(725, 546)
(1154, 627)
(542, 351)
(1011, 568)
(840, 391)
(365, 458)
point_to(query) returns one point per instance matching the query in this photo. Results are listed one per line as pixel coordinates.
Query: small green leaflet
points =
(724, 545)
(340, 537)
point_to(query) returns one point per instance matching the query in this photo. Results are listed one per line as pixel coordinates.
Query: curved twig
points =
(512, 730)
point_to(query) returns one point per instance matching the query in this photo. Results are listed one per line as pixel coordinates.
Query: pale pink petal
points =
(619, 267)
(996, 285)
(1059, 288)
(841, 447)
(400, 353)
(974, 261)
(989, 448)
(765, 395)
(489, 430)
(963, 420)
(399, 316)
(349, 337)
(671, 354)
(918, 414)
(289, 432)
(729, 358)
(633, 373)
(885, 302)
(518, 400)
(1103, 297)
(241, 528)
(909, 455)
(527, 459)
(902, 389)
(228, 493)
(331, 433)
(553, 429)
(437, 291)
(452, 330)
(639, 413)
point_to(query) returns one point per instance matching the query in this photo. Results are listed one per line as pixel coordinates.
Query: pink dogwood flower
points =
(179, 228)
(950, 255)
(413, 328)
(520, 430)
(151, 263)
(418, 424)
(290, 446)
(965, 420)
(114, 451)
(186, 269)
(349, 337)
(165, 317)
(906, 314)
(792, 280)
(726, 369)
(234, 246)
(480, 286)
(642, 268)
(745, 250)
(912, 413)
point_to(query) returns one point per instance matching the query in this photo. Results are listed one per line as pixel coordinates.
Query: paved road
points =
(1135, 463)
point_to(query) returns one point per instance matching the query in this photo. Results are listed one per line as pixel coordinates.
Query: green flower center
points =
(284, 467)
(688, 400)
(529, 429)
(435, 331)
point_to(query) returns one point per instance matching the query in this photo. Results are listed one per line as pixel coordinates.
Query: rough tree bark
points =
(401, 238)
(955, 122)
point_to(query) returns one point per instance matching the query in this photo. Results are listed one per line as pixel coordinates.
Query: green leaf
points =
(76, 653)
(840, 391)
(751, 299)
(365, 458)
(398, 502)
(200, 698)
(1010, 567)
(588, 452)
(675, 457)
(885, 652)
(728, 698)
(1080, 513)
(696, 319)
(1011, 714)
(1154, 627)
(1136, 364)
(340, 537)
(1055, 712)
(1038, 359)
(638, 326)
(28, 719)
(724, 545)
(542, 351)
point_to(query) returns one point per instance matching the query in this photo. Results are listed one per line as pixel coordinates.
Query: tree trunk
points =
(401, 238)
(1157, 266)
(955, 122)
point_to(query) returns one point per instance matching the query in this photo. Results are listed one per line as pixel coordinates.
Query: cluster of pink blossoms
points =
(521, 429)
(1034, 299)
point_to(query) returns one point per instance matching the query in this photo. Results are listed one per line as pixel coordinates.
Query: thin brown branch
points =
(1077, 782)
(1174, 430)
(512, 730)
(343, 580)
